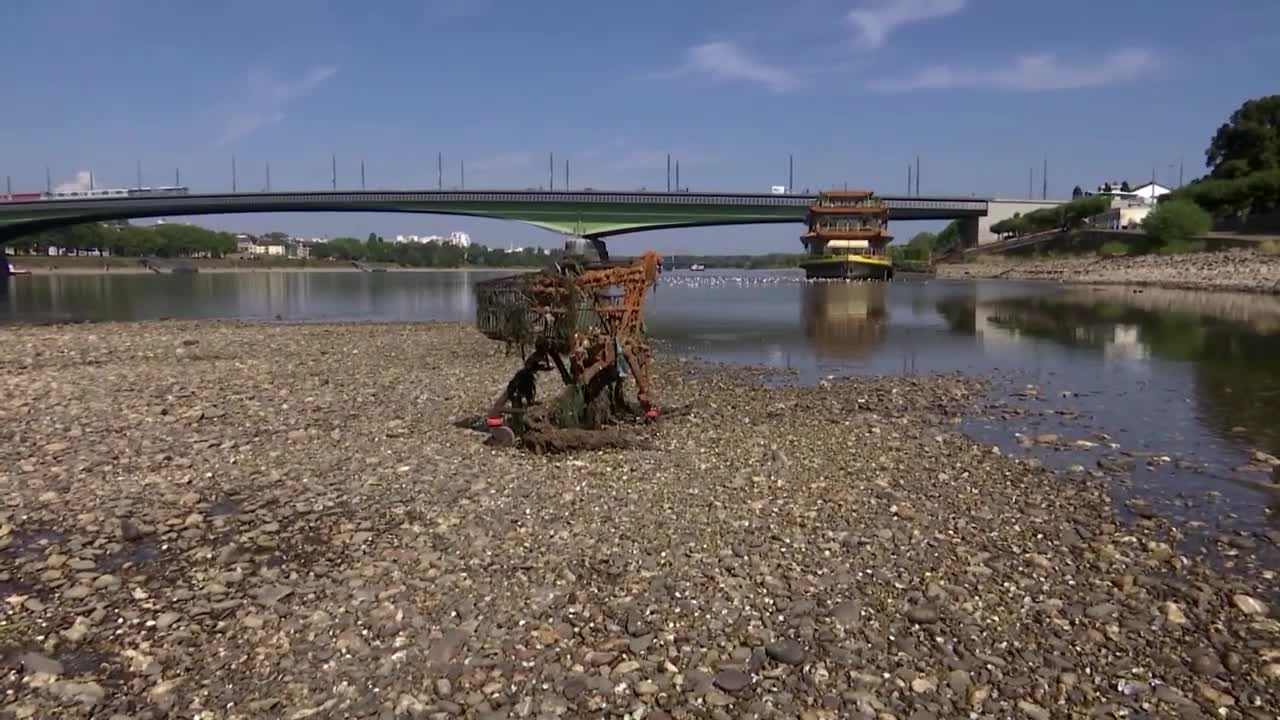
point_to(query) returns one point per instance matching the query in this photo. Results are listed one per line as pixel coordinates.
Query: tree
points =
(1248, 142)
(925, 241)
(1124, 187)
(1077, 193)
(1176, 221)
(1106, 188)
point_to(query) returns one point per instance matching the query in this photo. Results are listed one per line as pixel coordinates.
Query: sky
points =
(981, 90)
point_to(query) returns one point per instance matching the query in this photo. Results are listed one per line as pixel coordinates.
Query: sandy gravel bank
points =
(227, 520)
(1238, 270)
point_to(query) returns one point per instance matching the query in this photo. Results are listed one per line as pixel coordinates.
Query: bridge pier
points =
(5, 270)
(969, 232)
(577, 246)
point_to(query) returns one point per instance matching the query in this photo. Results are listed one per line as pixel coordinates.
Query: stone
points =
(167, 619)
(444, 688)
(786, 651)
(1173, 614)
(846, 614)
(1102, 612)
(923, 684)
(732, 680)
(36, 663)
(79, 592)
(1033, 711)
(1250, 605)
(103, 582)
(1047, 439)
(959, 682)
(130, 530)
(923, 615)
(647, 687)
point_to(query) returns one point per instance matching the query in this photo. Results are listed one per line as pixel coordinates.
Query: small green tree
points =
(1174, 222)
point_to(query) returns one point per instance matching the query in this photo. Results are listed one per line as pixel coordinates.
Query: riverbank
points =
(1234, 270)
(70, 265)
(272, 520)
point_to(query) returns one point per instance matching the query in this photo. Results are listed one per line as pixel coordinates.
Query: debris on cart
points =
(585, 324)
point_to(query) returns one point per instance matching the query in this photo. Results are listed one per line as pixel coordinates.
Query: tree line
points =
(430, 254)
(167, 241)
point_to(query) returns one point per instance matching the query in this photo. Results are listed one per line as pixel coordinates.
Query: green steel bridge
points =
(593, 215)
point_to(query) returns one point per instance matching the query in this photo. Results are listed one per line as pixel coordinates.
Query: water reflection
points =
(1190, 375)
(1229, 342)
(844, 320)
(260, 295)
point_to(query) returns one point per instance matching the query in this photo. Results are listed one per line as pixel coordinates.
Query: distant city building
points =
(459, 239)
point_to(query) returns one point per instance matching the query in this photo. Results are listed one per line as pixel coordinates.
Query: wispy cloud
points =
(268, 98)
(82, 181)
(875, 20)
(1031, 73)
(727, 61)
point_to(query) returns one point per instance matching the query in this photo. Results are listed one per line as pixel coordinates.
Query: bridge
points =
(590, 214)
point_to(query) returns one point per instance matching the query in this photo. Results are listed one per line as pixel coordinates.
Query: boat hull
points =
(848, 267)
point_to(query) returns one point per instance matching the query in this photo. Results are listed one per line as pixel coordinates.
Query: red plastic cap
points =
(651, 413)
(493, 421)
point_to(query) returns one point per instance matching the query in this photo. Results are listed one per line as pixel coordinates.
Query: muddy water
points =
(1182, 386)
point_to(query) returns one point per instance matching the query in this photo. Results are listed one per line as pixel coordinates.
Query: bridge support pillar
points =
(969, 232)
(4, 266)
(574, 245)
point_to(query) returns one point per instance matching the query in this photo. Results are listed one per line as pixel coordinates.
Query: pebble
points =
(386, 561)
(923, 615)
(36, 663)
(786, 651)
(732, 680)
(1033, 711)
(1250, 605)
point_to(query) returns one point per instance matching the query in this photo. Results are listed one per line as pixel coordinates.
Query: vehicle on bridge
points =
(97, 194)
(847, 237)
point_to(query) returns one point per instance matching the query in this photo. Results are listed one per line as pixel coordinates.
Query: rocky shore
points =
(1238, 270)
(230, 520)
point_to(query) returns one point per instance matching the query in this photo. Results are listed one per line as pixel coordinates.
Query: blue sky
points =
(855, 89)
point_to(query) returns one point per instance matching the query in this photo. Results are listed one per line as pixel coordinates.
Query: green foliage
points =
(432, 254)
(1060, 217)
(1174, 222)
(167, 241)
(1248, 142)
(948, 237)
(1239, 196)
(1115, 248)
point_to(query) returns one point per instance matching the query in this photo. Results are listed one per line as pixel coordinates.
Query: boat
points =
(847, 237)
(697, 268)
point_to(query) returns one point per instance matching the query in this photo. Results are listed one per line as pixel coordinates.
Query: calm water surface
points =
(1191, 376)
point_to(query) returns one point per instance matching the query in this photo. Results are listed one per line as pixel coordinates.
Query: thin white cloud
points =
(82, 181)
(727, 61)
(1039, 72)
(268, 98)
(874, 20)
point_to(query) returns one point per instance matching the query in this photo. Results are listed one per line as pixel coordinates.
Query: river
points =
(1191, 377)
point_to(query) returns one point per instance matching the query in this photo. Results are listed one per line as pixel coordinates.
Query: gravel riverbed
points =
(1235, 270)
(233, 520)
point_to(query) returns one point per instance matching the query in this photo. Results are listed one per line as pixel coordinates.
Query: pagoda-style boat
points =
(848, 232)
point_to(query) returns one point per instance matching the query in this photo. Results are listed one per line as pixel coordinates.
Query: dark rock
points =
(786, 651)
(732, 680)
(923, 615)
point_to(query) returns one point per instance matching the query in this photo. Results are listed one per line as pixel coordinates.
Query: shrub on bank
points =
(1175, 222)
(1115, 248)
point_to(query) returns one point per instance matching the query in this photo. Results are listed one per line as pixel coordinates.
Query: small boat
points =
(697, 268)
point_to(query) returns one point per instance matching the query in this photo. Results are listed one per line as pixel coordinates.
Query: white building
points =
(1148, 192)
(1125, 214)
(459, 238)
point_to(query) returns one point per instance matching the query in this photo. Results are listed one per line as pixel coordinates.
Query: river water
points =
(1191, 377)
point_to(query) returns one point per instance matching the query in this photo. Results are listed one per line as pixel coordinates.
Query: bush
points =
(1269, 247)
(1175, 222)
(1115, 248)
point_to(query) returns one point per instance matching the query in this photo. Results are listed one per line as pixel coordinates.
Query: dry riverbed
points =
(1234, 270)
(227, 520)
